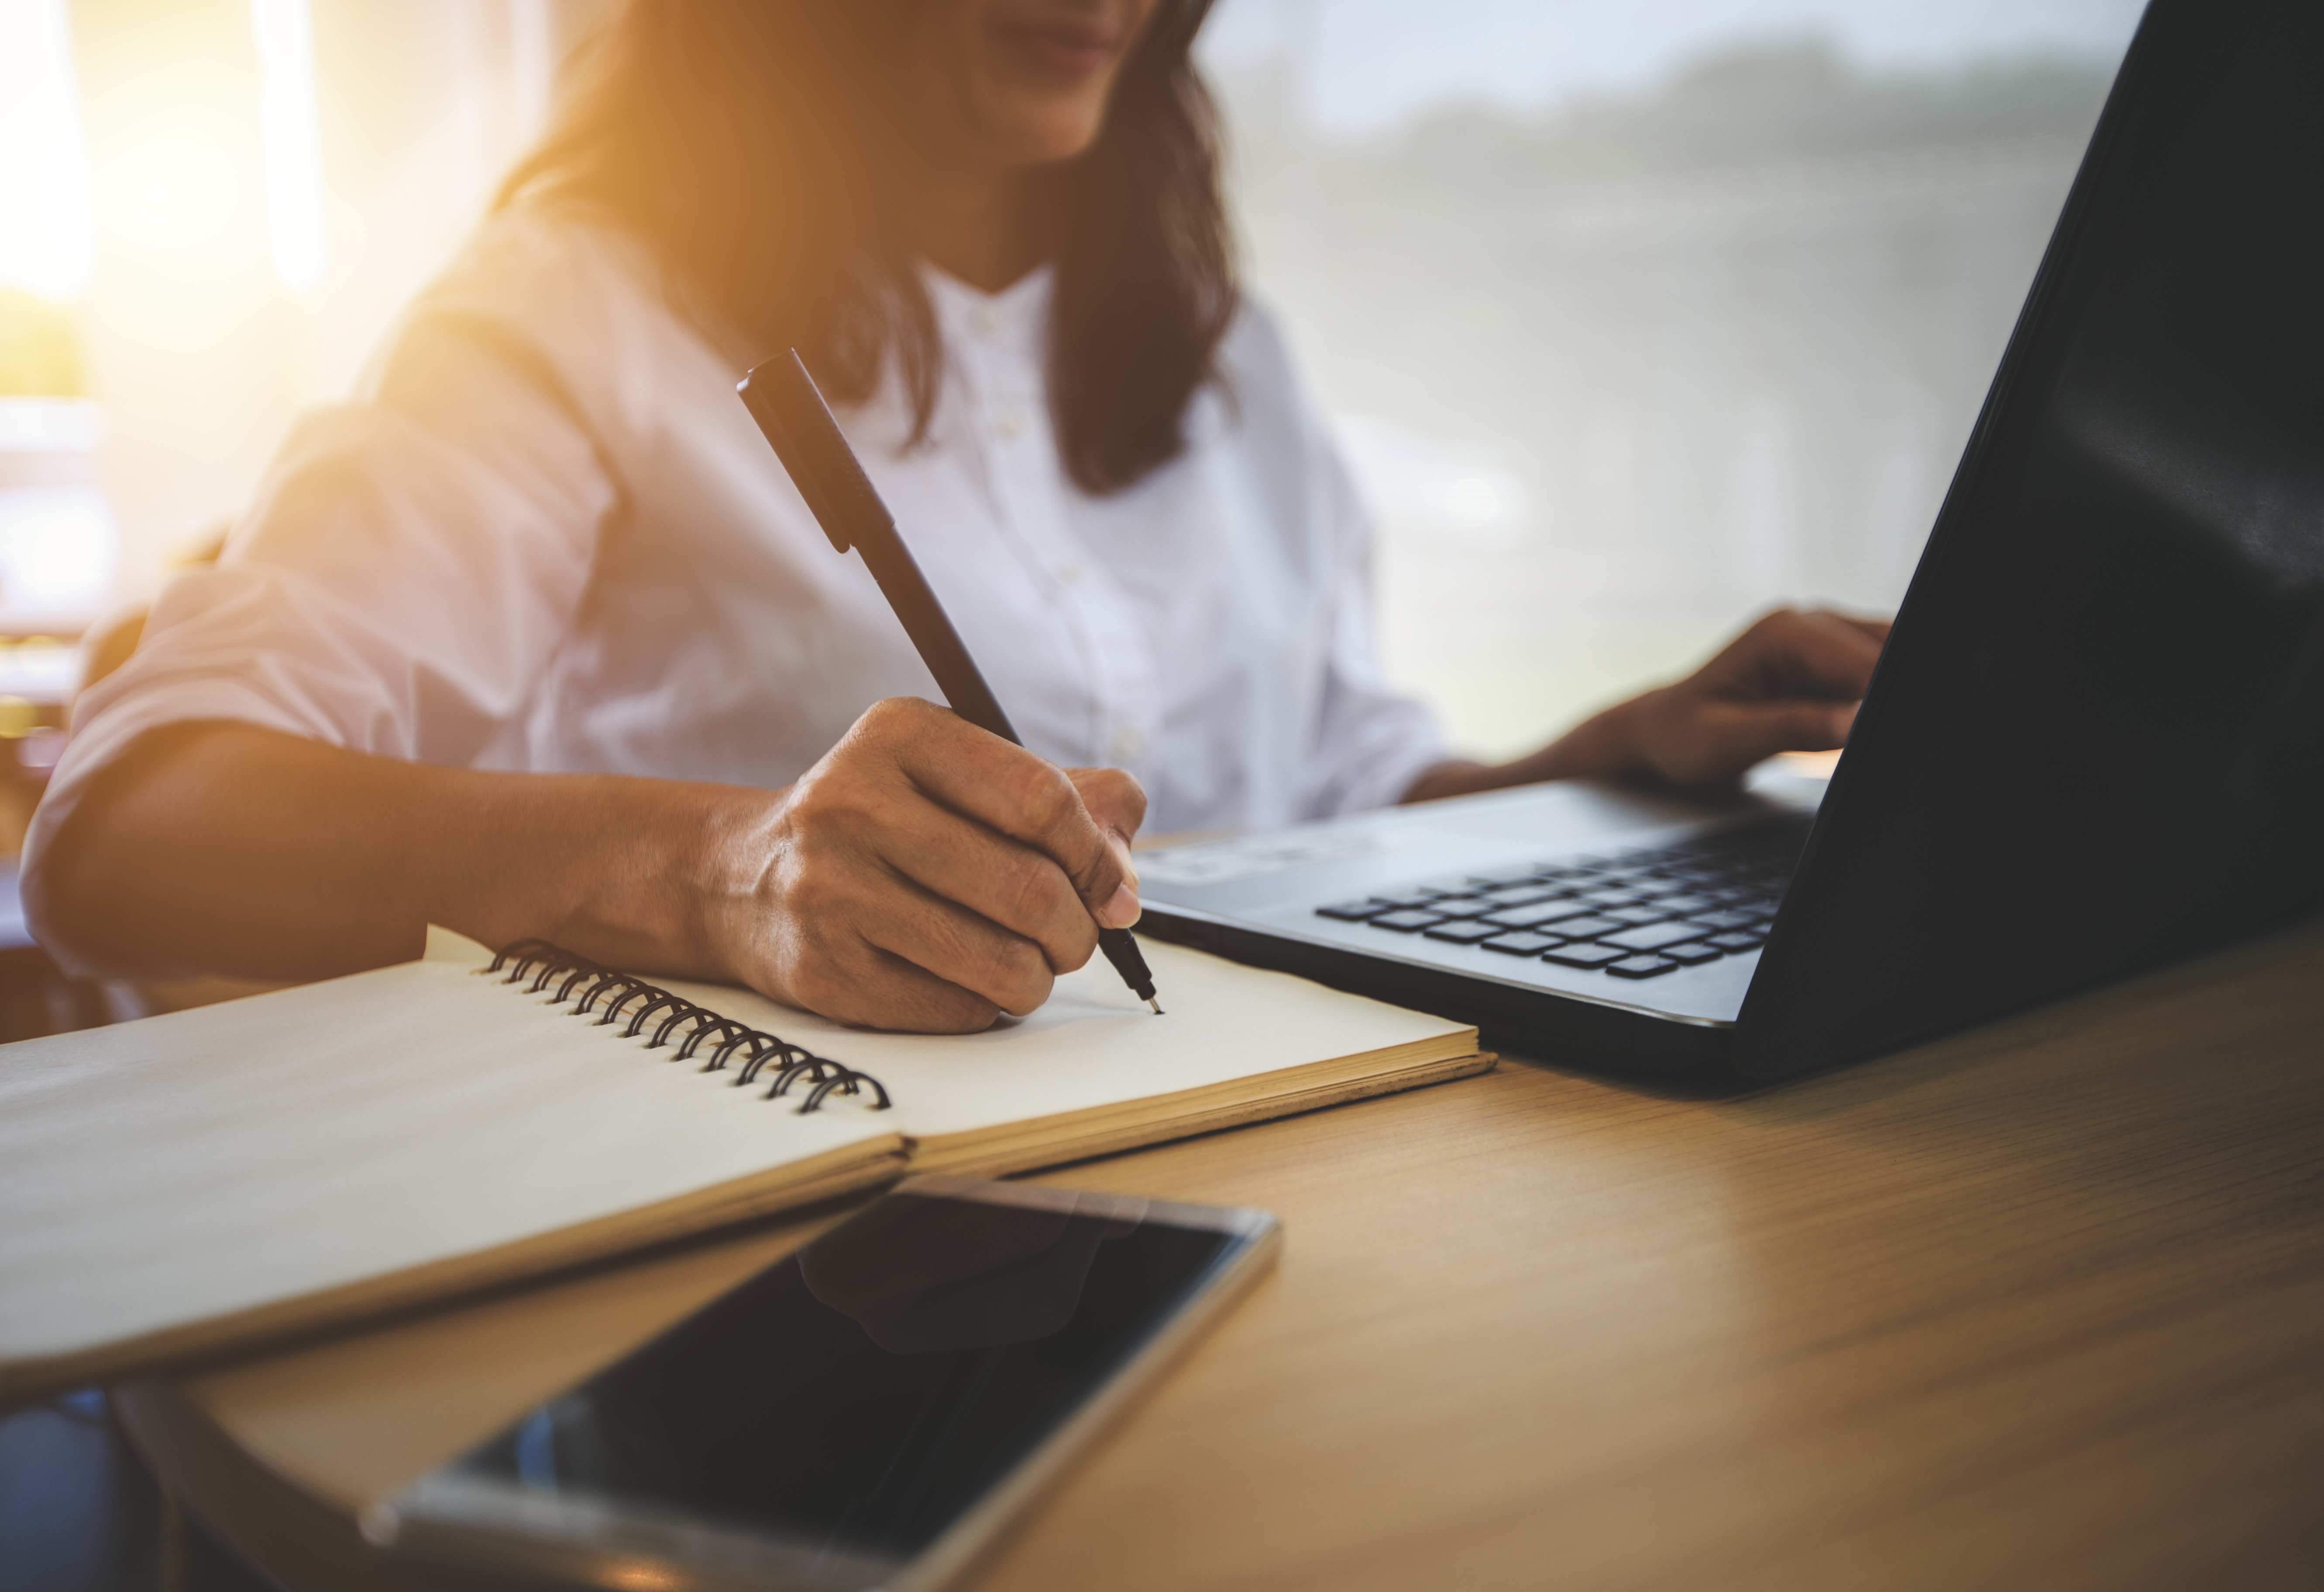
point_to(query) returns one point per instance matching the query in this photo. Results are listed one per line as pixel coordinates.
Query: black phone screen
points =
(854, 1400)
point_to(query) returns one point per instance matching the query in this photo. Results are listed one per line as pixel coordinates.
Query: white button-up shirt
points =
(546, 535)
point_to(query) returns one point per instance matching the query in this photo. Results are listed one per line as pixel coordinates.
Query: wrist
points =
(642, 874)
(1609, 745)
(1452, 777)
(718, 856)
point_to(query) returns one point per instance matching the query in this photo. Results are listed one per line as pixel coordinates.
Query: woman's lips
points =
(1071, 51)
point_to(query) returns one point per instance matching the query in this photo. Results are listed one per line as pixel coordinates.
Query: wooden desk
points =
(2041, 1305)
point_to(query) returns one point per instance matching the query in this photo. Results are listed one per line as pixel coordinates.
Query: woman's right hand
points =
(927, 875)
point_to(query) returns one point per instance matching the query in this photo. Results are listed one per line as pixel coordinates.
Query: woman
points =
(533, 637)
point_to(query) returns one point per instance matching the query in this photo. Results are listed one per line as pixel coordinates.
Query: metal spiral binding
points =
(679, 1020)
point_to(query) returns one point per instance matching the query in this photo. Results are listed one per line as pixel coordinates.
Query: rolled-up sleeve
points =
(410, 563)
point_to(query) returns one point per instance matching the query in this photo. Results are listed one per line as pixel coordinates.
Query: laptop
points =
(2094, 744)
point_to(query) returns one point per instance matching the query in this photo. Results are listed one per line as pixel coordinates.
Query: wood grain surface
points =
(2041, 1305)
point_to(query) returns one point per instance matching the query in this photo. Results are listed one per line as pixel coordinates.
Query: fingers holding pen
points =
(966, 950)
(928, 875)
(1082, 820)
(1004, 881)
(840, 932)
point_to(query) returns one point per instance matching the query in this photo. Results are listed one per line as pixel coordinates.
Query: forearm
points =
(1602, 747)
(232, 849)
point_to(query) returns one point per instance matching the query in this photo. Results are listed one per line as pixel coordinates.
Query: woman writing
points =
(533, 637)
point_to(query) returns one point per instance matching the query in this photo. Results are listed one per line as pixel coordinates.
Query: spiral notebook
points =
(212, 1179)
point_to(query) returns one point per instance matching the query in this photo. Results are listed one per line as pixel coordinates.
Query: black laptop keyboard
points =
(1632, 914)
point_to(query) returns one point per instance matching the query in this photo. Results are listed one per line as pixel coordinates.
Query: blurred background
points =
(1639, 319)
(1635, 318)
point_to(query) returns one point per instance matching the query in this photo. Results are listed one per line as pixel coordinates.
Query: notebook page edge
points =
(844, 1169)
(1008, 1160)
(1251, 1093)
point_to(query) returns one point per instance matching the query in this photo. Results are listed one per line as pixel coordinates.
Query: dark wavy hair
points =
(752, 144)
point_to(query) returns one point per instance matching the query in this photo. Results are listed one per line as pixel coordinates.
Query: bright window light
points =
(58, 549)
(294, 162)
(533, 62)
(44, 225)
(1365, 67)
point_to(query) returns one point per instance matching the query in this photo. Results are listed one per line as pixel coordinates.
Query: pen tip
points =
(1155, 1004)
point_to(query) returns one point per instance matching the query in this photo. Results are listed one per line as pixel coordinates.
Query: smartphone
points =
(867, 1412)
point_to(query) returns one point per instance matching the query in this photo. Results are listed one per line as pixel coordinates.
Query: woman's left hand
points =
(1789, 682)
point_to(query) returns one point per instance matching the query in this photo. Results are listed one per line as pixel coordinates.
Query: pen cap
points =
(789, 409)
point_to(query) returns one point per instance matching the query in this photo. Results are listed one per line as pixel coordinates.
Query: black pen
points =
(790, 409)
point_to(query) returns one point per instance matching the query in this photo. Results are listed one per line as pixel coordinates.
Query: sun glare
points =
(44, 219)
(294, 163)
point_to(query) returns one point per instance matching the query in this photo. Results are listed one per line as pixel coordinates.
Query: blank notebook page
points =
(210, 1161)
(1229, 1031)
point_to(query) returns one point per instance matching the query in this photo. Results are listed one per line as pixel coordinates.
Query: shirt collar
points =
(1013, 320)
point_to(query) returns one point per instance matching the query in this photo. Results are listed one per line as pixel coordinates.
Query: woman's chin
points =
(1034, 135)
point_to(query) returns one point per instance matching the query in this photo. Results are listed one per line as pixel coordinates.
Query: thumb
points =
(1116, 804)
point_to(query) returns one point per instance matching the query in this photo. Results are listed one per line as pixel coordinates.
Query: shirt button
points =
(988, 320)
(1069, 572)
(1127, 743)
(1010, 423)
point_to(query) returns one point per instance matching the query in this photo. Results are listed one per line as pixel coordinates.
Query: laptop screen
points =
(2096, 742)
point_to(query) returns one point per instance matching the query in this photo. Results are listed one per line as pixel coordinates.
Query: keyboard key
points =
(1693, 953)
(1730, 917)
(1457, 932)
(1524, 943)
(1408, 922)
(1583, 956)
(1652, 912)
(1737, 941)
(1642, 967)
(1609, 896)
(1583, 928)
(1534, 917)
(1456, 885)
(1455, 907)
(1653, 936)
(1684, 904)
(1522, 894)
(1506, 877)
(1354, 911)
(1412, 898)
